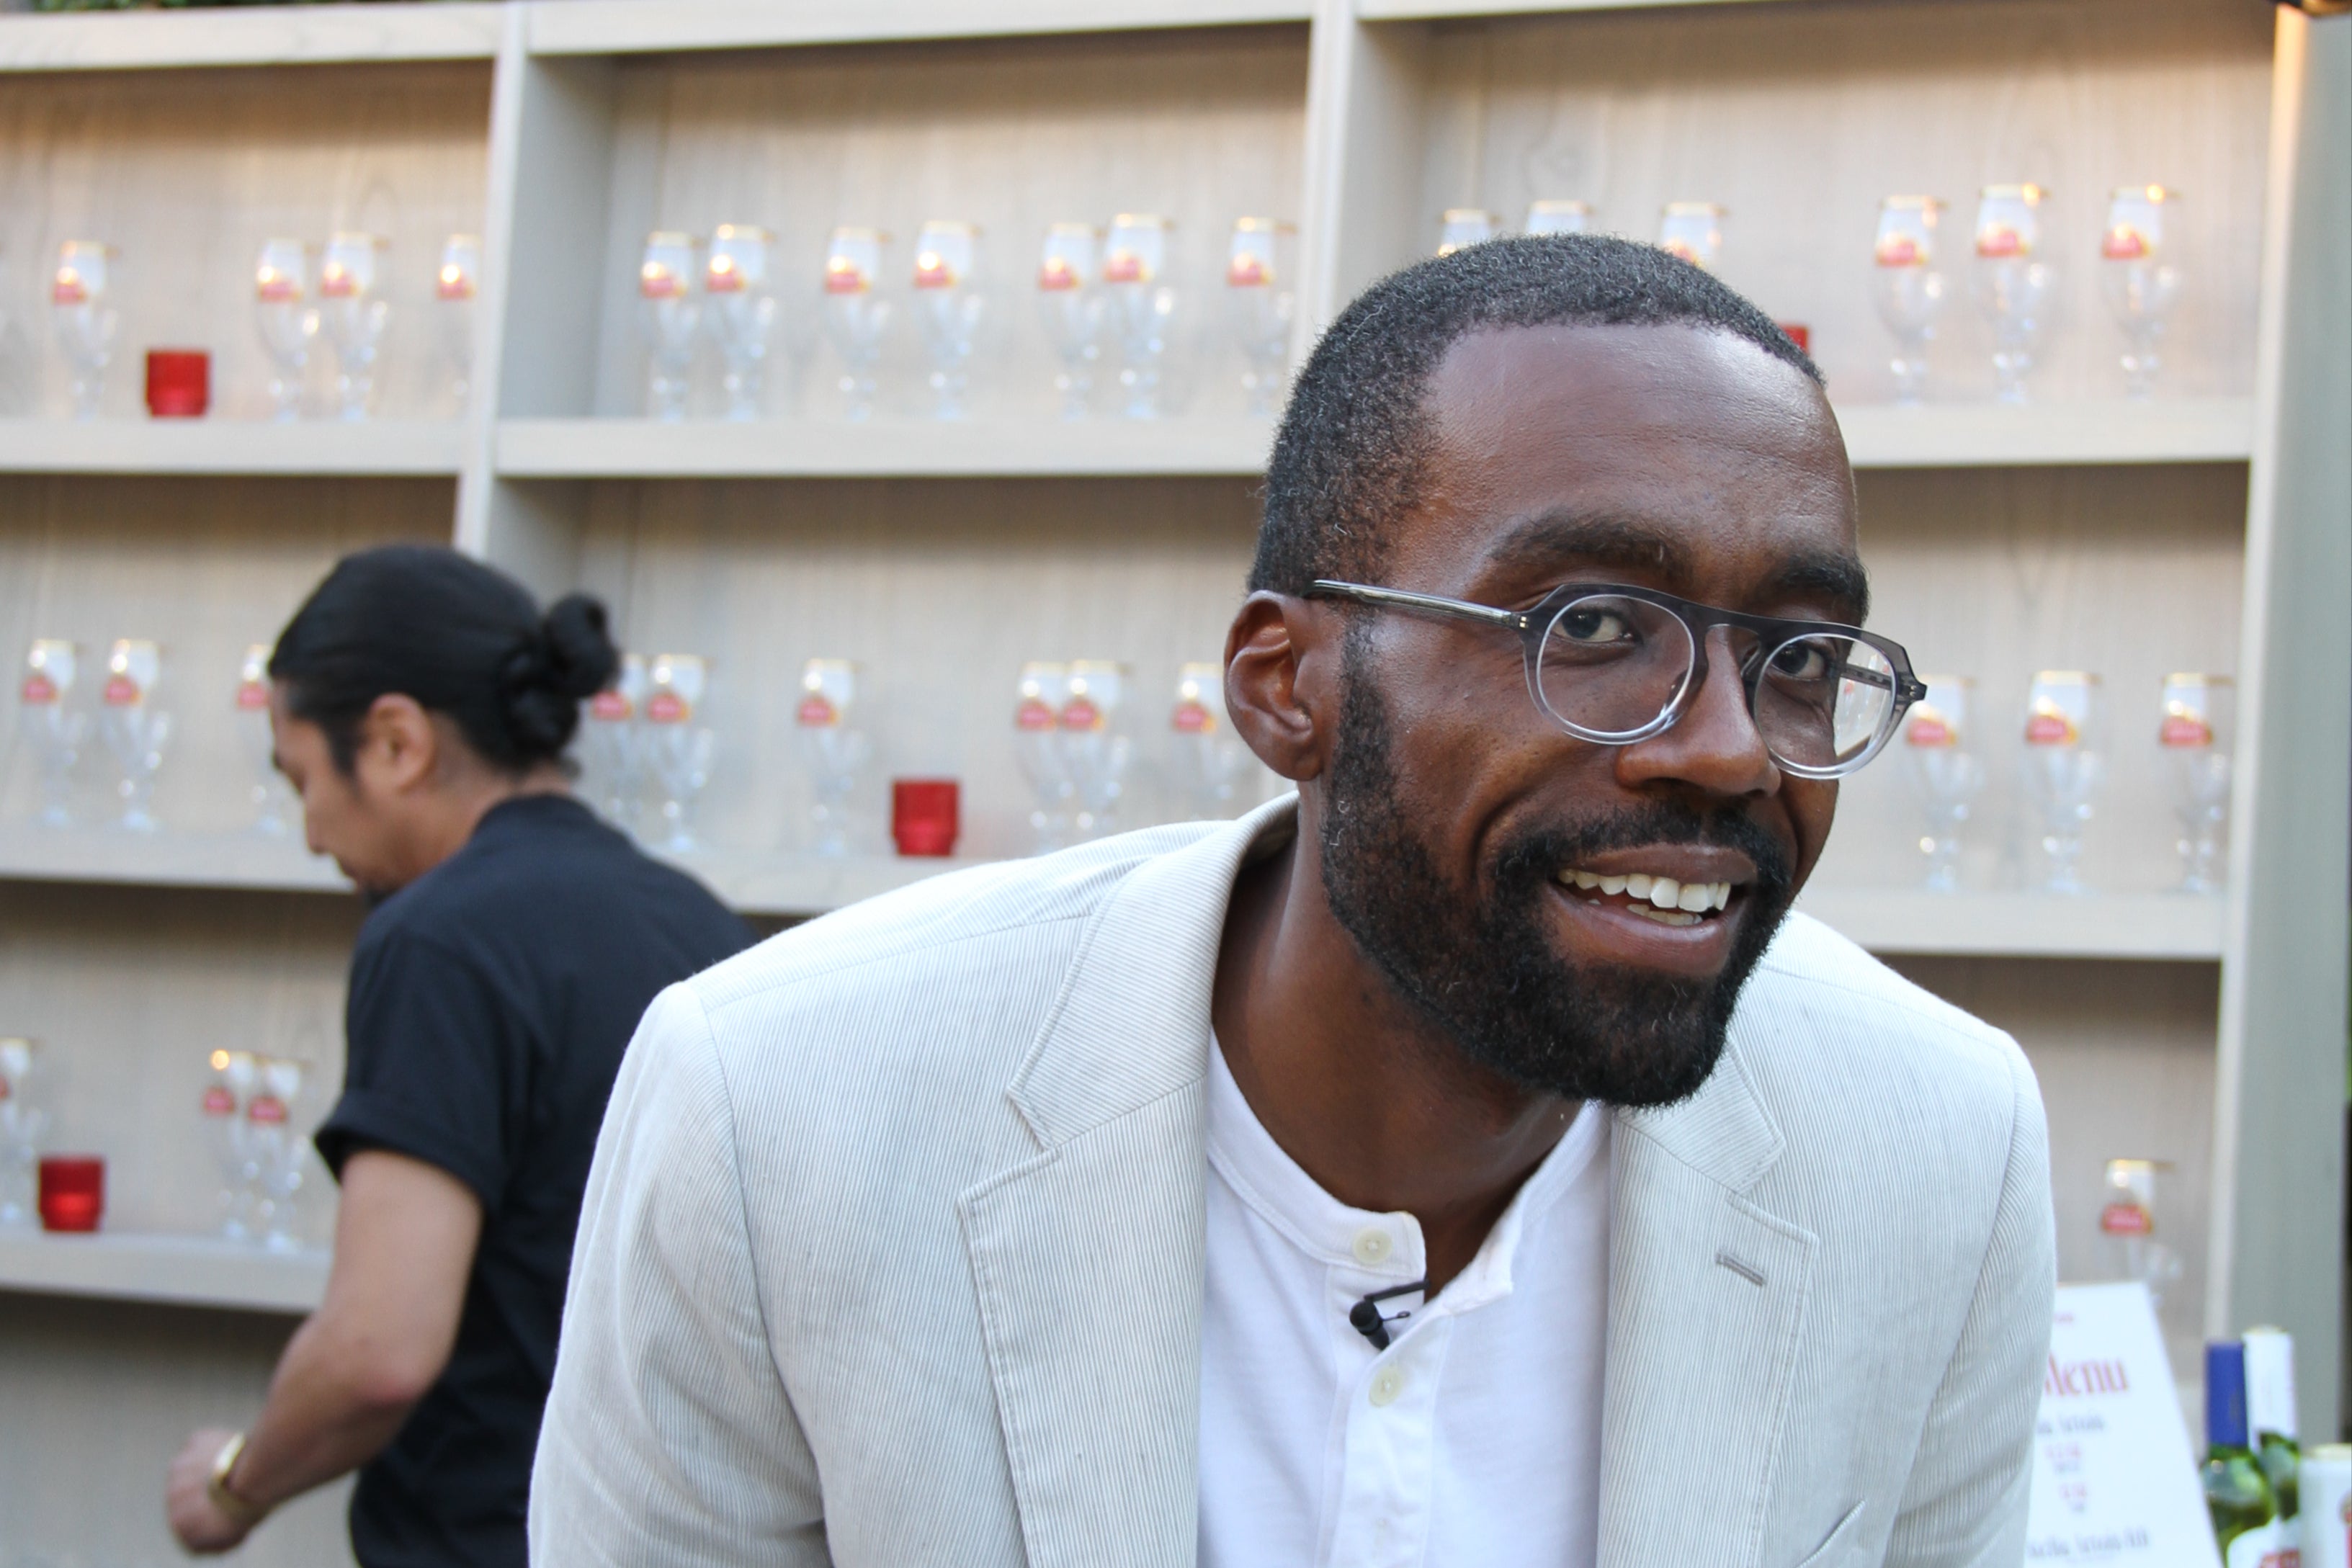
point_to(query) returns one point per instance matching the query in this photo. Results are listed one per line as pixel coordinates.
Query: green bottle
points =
(2237, 1492)
(2269, 1415)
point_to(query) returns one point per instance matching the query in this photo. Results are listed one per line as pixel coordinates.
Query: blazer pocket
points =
(1833, 1547)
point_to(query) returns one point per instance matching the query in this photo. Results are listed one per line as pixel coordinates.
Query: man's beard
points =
(1483, 968)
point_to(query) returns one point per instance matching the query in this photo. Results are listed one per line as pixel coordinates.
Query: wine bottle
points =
(2270, 1415)
(2237, 1492)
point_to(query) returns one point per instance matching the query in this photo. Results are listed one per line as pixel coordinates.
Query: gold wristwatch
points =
(246, 1514)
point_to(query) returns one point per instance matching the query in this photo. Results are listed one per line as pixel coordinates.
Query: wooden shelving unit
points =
(2200, 529)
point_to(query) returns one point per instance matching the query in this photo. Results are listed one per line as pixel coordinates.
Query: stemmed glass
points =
(1036, 720)
(1554, 217)
(2015, 286)
(83, 319)
(856, 319)
(2129, 1228)
(22, 1127)
(1206, 759)
(1070, 303)
(668, 314)
(354, 310)
(228, 1090)
(455, 285)
(283, 315)
(1261, 298)
(1459, 227)
(834, 749)
(1143, 307)
(2063, 769)
(275, 1153)
(677, 749)
(1945, 776)
(2140, 285)
(53, 730)
(1093, 749)
(134, 731)
(273, 801)
(949, 306)
(1693, 231)
(738, 292)
(1907, 290)
(613, 744)
(2196, 735)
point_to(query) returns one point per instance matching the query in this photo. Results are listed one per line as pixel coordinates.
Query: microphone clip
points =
(1365, 1318)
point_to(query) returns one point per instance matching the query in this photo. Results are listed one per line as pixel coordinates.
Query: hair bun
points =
(580, 658)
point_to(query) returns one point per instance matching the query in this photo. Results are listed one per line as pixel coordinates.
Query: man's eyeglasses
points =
(1614, 665)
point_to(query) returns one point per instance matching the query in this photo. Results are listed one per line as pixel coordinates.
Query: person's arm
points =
(1972, 1476)
(405, 1243)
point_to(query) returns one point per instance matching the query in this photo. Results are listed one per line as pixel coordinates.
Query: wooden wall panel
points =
(187, 172)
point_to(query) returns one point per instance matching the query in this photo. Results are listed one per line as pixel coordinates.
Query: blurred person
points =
(1469, 1160)
(421, 707)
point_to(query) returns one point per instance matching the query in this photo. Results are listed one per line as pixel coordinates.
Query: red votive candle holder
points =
(1798, 334)
(73, 1192)
(923, 815)
(179, 382)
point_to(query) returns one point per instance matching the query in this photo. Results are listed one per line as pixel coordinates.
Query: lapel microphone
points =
(1365, 1316)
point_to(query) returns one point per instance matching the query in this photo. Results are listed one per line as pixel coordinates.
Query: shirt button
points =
(1387, 1383)
(1372, 1246)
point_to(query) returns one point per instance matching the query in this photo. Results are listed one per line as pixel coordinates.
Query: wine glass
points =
(670, 316)
(613, 744)
(2140, 285)
(1946, 775)
(834, 749)
(2195, 734)
(455, 285)
(1141, 304)
(273, 801)
(738, 292)
(83, 319)
(23, 1124)
(1460, 226)
(288, 323)
(2129, 1228)
(856, 319)
(1693, 231)
(2064, 769)
(228, 1090)
(677, 749)
(949, 307)
(1907, 287)
(1558, 217)
(1070, 303)
(1261, 298)
(276, 1153)
(51, 728)
(2015, 286)
(353, 310)
(1037, 742)
(1207, 760)
(133, 728)
(1093, 749)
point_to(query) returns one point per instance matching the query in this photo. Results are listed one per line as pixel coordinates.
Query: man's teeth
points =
(1659, 892)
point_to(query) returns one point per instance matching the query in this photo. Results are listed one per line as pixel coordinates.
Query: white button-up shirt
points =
(1473, 1441)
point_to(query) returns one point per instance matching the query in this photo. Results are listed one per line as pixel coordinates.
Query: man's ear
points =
(1282, 686)
(399, 750)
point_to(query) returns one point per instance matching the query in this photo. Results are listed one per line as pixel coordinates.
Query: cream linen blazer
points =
(892, 1253)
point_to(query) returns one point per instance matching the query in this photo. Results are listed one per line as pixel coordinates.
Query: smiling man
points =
(1470, 1161)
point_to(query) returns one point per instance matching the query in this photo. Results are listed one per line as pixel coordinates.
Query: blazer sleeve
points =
(1965, 1503)
(669, 1438)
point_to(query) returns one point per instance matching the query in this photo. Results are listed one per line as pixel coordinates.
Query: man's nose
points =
(1715, 747)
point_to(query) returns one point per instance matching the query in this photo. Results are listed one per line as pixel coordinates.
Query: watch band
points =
(238, 1510)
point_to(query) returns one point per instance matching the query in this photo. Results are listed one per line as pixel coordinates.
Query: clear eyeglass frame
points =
(1772, 633)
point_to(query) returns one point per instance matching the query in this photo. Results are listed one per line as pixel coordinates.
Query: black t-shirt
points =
(490, 1002)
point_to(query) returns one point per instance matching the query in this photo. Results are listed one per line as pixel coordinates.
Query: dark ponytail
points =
(461, 638)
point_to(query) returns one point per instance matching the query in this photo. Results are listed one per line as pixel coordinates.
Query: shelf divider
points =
(187, 1270)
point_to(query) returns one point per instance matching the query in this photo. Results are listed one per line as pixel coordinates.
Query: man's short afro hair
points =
(1348, 456)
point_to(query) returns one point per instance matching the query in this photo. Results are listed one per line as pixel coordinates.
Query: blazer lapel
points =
(1707, 1301)
(1087, 1258)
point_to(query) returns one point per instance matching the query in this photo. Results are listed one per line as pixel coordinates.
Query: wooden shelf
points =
(191, 1271)
(1992, 434)
(1453, 10)
(665, 27)
(29, 853)
(229, 447)
(898, 448)
(2022, 925)
(273, 36)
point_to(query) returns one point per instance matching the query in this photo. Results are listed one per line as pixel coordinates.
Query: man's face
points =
(341, 817)
(1456, 817)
